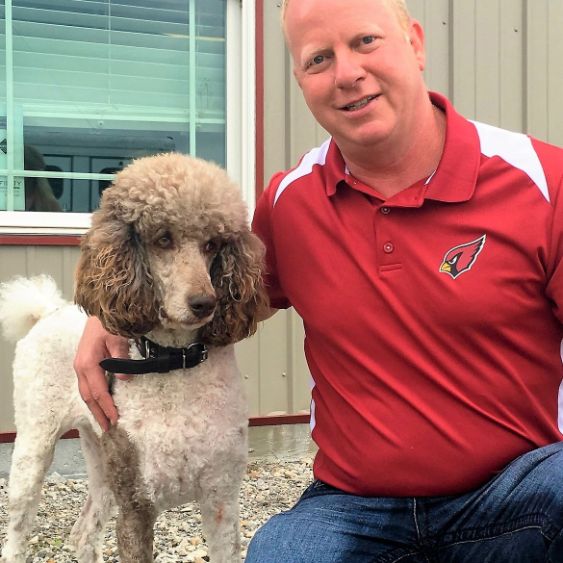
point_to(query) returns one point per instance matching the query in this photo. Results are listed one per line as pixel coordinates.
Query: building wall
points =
(499, 61)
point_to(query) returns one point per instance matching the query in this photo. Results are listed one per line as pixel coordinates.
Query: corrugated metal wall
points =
(499, 61)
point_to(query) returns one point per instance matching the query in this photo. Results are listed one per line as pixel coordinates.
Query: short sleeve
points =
(554, 288)
(262, 225)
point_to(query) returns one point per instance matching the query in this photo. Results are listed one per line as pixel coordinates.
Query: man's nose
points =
(347, 70)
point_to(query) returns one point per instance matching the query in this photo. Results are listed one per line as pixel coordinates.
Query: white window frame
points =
(240, 117)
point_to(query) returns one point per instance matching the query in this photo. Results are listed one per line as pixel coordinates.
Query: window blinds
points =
(124, 57)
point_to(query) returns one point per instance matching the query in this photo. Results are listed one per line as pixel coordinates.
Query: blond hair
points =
(397, 6)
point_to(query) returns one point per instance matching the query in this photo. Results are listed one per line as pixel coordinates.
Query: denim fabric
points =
(515, 518)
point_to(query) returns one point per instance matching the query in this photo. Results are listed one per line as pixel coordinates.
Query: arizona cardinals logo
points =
(461, 258)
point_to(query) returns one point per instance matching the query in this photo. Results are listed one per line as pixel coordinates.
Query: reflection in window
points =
(99, 83)
(39, 195)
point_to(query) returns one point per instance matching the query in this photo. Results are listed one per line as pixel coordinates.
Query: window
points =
(88, 85)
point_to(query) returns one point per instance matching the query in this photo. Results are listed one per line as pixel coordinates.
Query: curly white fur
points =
(21, 306)
(46, 398)
(181, 436)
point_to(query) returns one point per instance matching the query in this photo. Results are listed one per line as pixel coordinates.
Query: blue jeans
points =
(515, 518)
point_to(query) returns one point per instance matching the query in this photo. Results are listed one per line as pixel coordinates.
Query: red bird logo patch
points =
(461, 258)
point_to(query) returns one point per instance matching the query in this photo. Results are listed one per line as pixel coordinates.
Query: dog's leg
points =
(134, 531)
(32, 456)
(219, 503)
(137, 514)
(87, 533)
(220, 523)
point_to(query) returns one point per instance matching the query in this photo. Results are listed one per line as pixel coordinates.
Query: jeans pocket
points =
(317, 488)
(320, 485)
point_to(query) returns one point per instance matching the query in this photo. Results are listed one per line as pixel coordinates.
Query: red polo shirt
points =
(433, 319)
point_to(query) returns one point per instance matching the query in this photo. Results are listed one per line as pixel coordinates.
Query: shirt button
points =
(388, 247)
(385, 210)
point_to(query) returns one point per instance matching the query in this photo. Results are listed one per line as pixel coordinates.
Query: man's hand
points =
(95, 345)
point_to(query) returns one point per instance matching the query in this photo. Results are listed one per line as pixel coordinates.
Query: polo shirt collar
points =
(455, 178)
(456, 175)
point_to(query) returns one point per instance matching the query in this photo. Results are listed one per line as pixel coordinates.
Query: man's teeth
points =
(360, 104)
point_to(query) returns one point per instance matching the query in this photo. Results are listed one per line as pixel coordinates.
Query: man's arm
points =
(95, 345)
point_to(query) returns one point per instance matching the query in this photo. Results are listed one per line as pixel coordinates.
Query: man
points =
(423, 253)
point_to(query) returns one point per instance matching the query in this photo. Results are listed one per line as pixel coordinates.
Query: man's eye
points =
(316, 60)
(366, 40)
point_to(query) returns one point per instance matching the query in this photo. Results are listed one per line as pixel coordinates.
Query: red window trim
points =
(8, 437)
(259, 63)
(39, 240)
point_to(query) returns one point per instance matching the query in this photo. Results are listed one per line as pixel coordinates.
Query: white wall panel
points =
(434, 15)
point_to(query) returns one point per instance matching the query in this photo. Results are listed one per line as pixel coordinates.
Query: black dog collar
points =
(158, 359)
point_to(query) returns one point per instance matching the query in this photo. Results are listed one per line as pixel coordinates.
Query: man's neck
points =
(391, 171)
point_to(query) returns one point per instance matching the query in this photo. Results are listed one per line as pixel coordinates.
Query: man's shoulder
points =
(549, 153)
(280, 181)
(497, 140)
(541, 161)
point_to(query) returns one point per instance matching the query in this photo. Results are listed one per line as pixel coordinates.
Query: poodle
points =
(170, 263)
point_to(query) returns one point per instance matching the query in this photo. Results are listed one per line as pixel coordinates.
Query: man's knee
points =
(269, 542)
(538, 468)
(537, 482)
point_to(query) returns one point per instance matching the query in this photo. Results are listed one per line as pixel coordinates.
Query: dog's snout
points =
(202, 305)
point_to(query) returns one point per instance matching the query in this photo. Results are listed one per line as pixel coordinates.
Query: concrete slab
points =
(288, 441)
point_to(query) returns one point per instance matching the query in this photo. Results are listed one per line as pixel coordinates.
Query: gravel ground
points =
(269, 487)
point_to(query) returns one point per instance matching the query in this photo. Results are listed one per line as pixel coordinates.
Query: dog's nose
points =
(202, 305)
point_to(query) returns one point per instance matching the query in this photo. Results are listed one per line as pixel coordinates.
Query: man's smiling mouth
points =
(359, 104)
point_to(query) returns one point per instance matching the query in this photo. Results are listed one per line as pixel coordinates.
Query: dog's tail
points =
(23, 301)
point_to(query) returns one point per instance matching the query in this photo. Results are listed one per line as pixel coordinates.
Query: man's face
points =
(360, 71)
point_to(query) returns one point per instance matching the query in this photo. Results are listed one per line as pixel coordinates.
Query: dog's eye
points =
(211, 246)
(164, 241)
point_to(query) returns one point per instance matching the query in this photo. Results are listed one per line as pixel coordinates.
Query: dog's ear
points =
(112, 277)
(236, 274)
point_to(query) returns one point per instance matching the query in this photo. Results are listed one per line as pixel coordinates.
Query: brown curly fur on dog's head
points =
(196, 200)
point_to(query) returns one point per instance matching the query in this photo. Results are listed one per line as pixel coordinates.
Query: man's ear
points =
(416, 39)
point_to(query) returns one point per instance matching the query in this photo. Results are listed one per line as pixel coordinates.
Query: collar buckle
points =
(204, 354)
